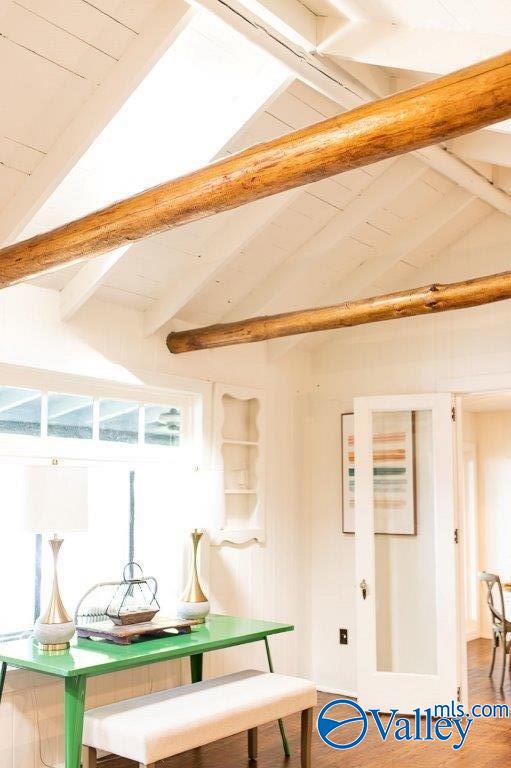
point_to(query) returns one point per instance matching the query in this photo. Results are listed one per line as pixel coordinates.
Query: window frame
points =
(45, 446)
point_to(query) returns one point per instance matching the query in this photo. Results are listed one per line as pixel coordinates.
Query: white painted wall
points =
(470, 348)
(266, 581)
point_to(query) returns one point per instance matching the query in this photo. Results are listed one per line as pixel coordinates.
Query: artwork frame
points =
(397, 515)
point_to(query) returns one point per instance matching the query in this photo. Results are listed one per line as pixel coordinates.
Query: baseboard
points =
(336, 691)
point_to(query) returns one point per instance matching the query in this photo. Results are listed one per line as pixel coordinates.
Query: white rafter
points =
(486, 146)
(87, 280)
(242, 226)
(284, 285)
(384, 44)
(164, 27)
(405, 241)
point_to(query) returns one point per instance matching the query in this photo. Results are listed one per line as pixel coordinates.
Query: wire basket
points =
(131, 600)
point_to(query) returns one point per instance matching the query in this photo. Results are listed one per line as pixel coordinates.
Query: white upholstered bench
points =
(150, 728)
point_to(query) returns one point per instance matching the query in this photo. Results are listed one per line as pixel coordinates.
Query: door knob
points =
(363, 587)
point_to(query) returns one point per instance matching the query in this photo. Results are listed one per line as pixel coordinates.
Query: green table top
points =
(98, 657)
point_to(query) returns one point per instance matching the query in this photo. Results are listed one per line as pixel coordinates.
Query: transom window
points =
(81, 417)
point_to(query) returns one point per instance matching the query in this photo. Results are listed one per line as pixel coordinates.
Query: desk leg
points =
(196, 667)
(285, 742)
(74, 709)
(3, 670)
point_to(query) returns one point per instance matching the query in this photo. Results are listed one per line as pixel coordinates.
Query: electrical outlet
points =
(343, 636)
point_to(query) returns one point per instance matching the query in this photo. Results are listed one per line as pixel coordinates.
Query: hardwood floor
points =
(487, 742)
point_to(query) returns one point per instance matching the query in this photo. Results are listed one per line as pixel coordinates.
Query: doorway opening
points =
(485, 494)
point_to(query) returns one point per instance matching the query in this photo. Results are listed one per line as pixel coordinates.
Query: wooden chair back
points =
(494, 598)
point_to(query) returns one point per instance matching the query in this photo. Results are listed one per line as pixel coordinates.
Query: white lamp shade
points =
(205, 494)
(56, 499)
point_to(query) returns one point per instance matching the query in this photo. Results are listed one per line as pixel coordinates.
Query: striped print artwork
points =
(393, 472)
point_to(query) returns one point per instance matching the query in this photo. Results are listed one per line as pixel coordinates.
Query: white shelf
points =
(249, 443)
(239, 440)
(241, 490)
(237, 536)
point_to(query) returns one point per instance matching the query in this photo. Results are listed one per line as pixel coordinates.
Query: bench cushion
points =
(150, 728)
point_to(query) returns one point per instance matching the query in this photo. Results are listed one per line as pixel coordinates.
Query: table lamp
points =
(56, 502)
(204, 489)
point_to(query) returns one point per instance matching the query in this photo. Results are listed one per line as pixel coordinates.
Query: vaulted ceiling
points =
(70, 67)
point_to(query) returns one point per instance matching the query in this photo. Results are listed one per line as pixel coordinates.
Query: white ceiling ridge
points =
(348, 92)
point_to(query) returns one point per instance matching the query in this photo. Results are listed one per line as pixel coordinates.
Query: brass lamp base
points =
(56, 647)
(55, 628)
(194, 604)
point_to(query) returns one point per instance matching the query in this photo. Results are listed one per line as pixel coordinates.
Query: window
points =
(162, 425)
(118, 421)
(70, 416)
(20, 411)
(134, 451)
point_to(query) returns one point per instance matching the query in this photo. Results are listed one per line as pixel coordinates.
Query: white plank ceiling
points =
(367, 231)
(53, 55)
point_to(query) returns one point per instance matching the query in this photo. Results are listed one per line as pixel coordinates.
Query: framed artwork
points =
(393, 473)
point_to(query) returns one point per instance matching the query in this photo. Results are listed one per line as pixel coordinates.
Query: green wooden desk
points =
(88, 658)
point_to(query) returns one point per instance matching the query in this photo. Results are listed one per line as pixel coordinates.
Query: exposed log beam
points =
(435, 111)
(404, 242)
(426, 300)
(323, 74)
(389, 45)
(93, 273)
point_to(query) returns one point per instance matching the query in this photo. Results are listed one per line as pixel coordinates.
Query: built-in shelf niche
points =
(239, 443)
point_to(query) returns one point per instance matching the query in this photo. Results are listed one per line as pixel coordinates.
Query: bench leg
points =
(90, 756)
(306, 737)
(283, 736)
(252, 744)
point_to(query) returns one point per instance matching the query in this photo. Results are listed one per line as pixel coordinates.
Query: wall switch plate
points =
(343, 636)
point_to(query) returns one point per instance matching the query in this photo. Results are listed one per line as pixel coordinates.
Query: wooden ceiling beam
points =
(429, 299)
(346, 87)
(432, 112)
(365, 277)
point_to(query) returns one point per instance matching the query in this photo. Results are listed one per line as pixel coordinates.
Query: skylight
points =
(199, 95)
